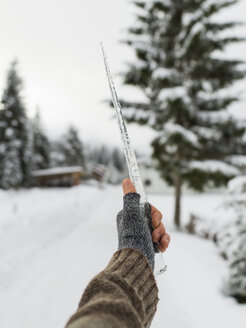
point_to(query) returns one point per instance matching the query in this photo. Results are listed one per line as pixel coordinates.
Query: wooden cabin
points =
(58, 176)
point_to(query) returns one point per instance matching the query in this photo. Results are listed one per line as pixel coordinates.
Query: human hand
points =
(159, 233)
(136, 232)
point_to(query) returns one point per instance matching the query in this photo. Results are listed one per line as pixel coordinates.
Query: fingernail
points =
(167, 240)
(126, 182)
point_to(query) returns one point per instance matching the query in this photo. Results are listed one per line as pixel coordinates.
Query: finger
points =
(128, 186)
(164, 242)
(158, 233)
(156, 216)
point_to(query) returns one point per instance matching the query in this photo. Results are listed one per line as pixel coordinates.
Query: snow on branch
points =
(219, 94)
(214, 167)
(214, 117)
(237, 185)
(163, 72)
(207, 133)
(139, 114)
(142, 39)
(144, 46)
(197, 28)
(172, 93)
(138, 64)
(151, 3)
(190, 17)
(237, 160)
(172, 129)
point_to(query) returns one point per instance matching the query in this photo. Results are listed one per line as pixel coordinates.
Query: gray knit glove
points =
(133, 230)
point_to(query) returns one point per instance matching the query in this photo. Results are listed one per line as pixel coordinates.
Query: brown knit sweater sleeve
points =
(123, 295)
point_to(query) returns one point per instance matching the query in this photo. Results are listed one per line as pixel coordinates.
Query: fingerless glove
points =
(134, 231)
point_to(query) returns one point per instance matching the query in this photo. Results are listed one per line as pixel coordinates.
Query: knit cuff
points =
(125, 292)
(134, 267)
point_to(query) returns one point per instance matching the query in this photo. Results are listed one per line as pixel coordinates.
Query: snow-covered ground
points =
(53, 241)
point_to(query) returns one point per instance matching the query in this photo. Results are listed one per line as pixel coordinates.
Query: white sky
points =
(57, 43)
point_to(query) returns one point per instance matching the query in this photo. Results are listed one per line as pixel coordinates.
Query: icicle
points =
(130, 156)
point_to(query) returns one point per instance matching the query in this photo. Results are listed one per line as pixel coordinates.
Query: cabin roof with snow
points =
(57, 171)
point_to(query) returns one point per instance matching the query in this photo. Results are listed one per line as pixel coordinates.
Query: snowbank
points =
(53, 241)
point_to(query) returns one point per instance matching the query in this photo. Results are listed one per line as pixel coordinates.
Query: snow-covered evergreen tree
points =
(236, 233)
(112, 159)
(71, 149)
(184, 80)
(41, 145)
(15, 135)
(12, 175)
(100, 154)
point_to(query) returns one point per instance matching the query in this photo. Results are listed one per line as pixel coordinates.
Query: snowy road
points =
(52, 242)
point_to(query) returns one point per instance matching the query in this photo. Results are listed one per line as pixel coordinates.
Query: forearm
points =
(123, 295)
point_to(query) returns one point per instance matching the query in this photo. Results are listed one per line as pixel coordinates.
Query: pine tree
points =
(15, 135)
(184, 82)
(236, 251)
(41, 145)
(100, 154)
(71, 148)
(12, 176)
(111, 159)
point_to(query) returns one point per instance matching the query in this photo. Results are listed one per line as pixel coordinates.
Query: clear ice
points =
(130, 154)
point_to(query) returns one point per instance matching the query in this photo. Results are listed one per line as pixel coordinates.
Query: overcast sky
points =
(57, 43)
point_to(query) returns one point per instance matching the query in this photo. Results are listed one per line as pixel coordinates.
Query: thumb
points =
(128, 186)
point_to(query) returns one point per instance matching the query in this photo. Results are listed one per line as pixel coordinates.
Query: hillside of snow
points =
(53, 241)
